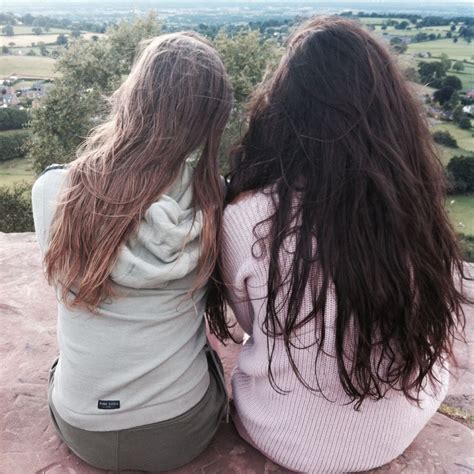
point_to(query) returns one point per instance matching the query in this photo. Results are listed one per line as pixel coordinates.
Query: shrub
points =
(461, 173)
(13, 118)
(465, 122)
(16, 214)
(445, 138)
(12, 145)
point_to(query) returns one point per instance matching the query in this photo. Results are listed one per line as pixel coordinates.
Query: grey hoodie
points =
(140, 360)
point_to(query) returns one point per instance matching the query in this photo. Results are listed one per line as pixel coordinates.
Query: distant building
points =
(8, 96)
(469, 110)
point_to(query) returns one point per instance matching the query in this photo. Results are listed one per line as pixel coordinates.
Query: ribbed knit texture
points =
(302, 430)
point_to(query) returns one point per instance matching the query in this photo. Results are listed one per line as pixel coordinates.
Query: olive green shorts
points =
(158, 446)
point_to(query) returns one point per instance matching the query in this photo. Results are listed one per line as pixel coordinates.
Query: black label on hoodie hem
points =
(108, 404)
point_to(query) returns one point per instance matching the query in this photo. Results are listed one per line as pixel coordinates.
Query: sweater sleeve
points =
(238, 263)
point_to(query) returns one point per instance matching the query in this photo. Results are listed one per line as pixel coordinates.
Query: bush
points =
(461, 173)
(16, 214)
(13, 118)
(465, 122)
(445, 138)
(12, 145)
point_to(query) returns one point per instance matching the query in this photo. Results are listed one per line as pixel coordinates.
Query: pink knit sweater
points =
(302, 430)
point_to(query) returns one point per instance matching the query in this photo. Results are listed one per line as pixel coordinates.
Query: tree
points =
(37, 30)
(90, 64)
(75, 33)
(444, 94)
(453, 81)
(443, 137)
(126, 37)
(445, 61)
(8, 30)
(430, 72)
(43, 49)
(5, 50)
(246, 57)
(12, 145)
(16, 214)
(398, 45)
(458, 66)
(402, 25)
(11, 118)
(61, 124)
(61, 39)
(461, 169)
(89, 71)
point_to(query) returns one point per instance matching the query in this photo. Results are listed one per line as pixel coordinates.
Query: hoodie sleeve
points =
(44, 196)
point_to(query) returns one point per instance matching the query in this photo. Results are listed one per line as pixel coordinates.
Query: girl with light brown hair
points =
(129, 232)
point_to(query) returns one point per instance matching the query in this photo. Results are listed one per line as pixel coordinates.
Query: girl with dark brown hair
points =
(129, 231)
(338, 259)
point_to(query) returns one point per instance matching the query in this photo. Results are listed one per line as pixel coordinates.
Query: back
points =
(304, 430)
(143, 348)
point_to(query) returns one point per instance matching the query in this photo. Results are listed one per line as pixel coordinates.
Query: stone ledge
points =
(28, 443)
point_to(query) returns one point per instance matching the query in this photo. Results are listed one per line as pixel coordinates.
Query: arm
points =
(237, 264)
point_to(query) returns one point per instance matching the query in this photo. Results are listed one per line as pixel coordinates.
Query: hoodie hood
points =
(166, 246)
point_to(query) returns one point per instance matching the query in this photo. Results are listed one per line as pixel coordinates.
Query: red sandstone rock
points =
(28, 443)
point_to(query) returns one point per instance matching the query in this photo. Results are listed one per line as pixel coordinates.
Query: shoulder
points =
(246, 219)
(52, 177)
(46, 189)
(253, 206)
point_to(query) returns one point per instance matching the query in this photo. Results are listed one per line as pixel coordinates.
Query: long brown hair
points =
(337, 135)
(175, 102)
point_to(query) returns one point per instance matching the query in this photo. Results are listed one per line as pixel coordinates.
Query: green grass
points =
(461, 211)
(464, 138)
(27, 66)
(379, 20)
(466, 76)
(12, 171)
(447, 153)
(457, 51)
(25, 41)
(28, 30)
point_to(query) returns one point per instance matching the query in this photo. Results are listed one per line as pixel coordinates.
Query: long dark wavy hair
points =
(337, 135)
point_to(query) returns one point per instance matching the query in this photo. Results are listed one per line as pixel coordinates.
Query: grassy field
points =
(461, 210)
(13, 171)
(466, 76)
(26, 40)
(447, 153)
(457, 51)
(28, 30)
(29, 66)
(464, 138)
